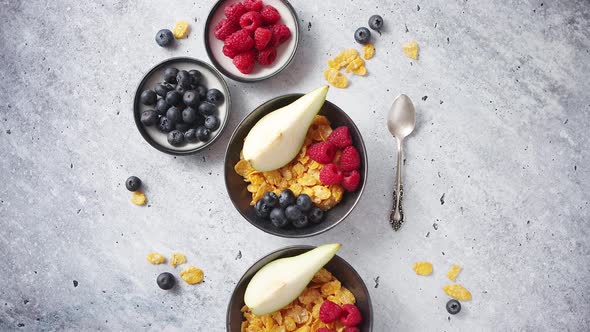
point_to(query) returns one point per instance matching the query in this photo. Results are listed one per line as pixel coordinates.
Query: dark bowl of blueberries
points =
(181, 106)
(286, 214)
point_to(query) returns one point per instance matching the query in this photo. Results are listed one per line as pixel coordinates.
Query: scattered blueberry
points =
(173, 98)
(133, 183)
(166, 280)
(182, 127)
(196, 76)
(202, 91)
(453, 307)
(203, 134)
(286, 198)
(162, 106)
(165, 125)
(212, 122)
(174, 115)
(262, 209)
(164, 37)
(149, 118)
(215, 97)
(375, 22)
(278, 218)
(270, 198)
(170, 75)
(300, 222)
(190, 98)
(163, 88)
(293, 213)
(184, 79)
(190, 115)
(207, 108)
(304, 202)
(175, 138)
(148, 97)
(362, 35)
(316, 215)
(191, 136)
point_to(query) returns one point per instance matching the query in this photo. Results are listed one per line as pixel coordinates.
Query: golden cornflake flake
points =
(180, 30)
(454, 272)
(357, 63)
(457, 292)
(155, 258)
(138, 198)
(191, 275)
(334, 77)
(423, 268)
(368, 51)
(177, 259)
(411, 49)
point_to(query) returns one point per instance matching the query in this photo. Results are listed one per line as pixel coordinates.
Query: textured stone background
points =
(502, 94)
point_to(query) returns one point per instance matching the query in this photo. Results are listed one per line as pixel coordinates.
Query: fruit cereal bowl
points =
(337, 266)
(284, 50)
(238, 189)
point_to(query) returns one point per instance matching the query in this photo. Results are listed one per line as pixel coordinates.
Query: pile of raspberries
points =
(251, 34)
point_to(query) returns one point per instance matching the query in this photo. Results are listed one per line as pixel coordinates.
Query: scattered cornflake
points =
(334, 77)
(180, 30)
(423, 268)
(138, 198)
(411, 49)
(177, 259)
(457, 292)
(368, 51)
(454, 272)
(191, 275)
(155, 258)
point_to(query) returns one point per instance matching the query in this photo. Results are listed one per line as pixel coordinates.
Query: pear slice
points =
(277, 138)
(280, 282)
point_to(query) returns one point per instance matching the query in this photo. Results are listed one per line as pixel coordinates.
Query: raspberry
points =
(245, 62)
(280, 34)
(255, 5)
(350, 180)
(225, 28)
(323, 329)
(250, 21)
(262, 37)
(270, 15)
(352, 329)
(340, 137)
(235, 11)
(330, 311)
(267, 56)
(350, 159)
(322, 152)
(229, 52)
(351, 315)
(330, 174)
(239, 41)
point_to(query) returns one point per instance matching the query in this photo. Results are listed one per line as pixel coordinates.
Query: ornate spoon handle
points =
(397, 215)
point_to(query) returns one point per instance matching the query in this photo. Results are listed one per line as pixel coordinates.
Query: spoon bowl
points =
(401, 120)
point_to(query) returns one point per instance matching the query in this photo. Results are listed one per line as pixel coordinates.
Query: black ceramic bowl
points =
(337, 266)
(236, 187)
(211, 78)
(285, 52)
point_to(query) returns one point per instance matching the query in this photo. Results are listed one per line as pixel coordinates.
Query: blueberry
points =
(301, 222)
(165, 125)
(191, 136)
(375, 22)
(180, 89)
(304, 202)
(270, 198)
(182, 127)
(362, 35)
(278, 218)
(163, 88)
(175, 138)
(215, 97)
(262, 209)
(453, 307)
(293, 213)
(316, 215)
(286, 198)
(174, 114)
(162, 106)
(133, 183)
(149, 118)
(196, 76)
(190, 115)
(184, 79)
(164, 37)
(207, 108)
(173, 98)
(212, 122)
(170, 75)
(190, 98)
(166, 280)
(202, 91)
(203, 134)
(148, 97)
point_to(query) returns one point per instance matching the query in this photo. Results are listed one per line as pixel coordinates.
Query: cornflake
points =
(191, 275)
(457, 292)
(177, 259)
(155, 258)
(411, 49)
(423, 268)
(138, 198)
(180, 30)
(454, 272)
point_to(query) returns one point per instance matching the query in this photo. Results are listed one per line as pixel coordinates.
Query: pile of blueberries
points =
(183, 107)
(286, 209)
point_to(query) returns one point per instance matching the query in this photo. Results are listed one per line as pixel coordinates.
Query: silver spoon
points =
(400, 122)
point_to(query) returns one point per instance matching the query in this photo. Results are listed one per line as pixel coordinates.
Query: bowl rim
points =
(361, 143)
(298, 246)
(242, 79)
(137, 115)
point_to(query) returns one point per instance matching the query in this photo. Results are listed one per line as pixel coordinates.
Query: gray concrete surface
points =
(502, 94)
